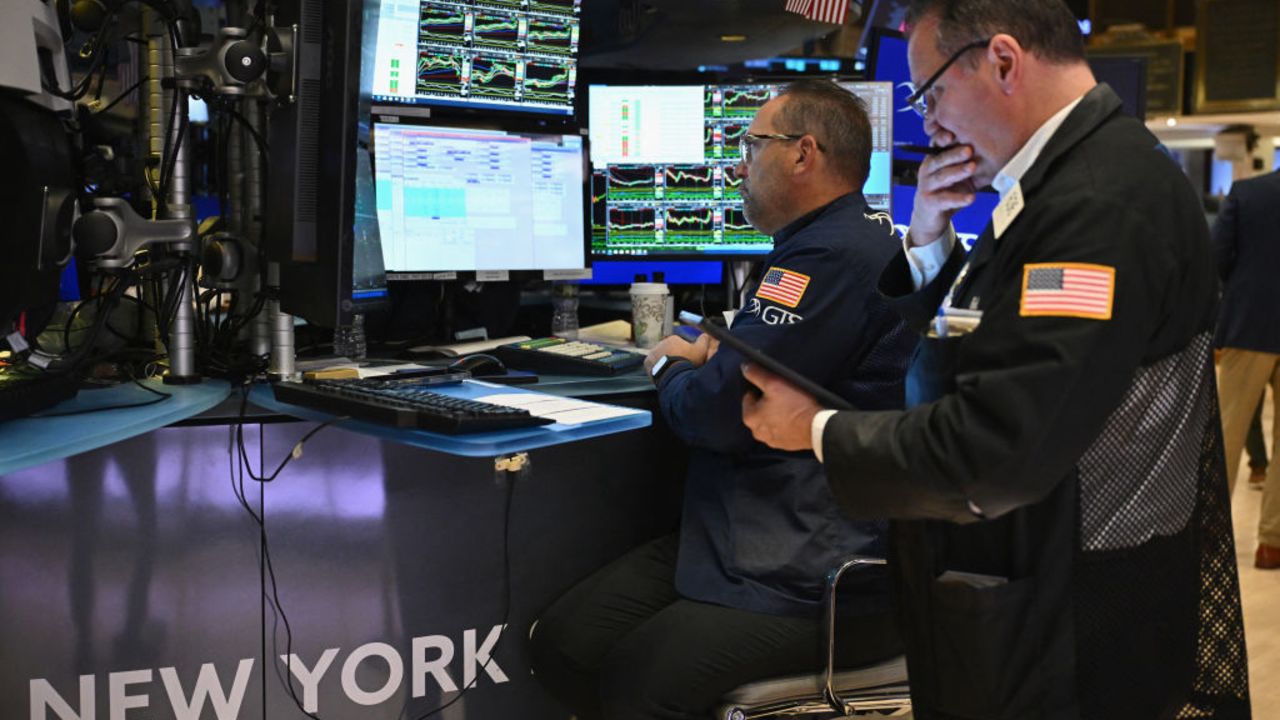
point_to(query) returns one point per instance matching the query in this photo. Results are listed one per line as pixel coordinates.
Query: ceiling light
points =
(733, 38)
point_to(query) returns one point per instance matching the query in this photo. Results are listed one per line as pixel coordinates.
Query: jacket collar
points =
(853, 199)
(1094, 108)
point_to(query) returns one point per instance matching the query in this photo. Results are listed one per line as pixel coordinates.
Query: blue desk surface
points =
(36, 440)
(490, 444)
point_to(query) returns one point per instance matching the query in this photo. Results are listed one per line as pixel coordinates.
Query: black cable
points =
(506, 600)
(169, 160)
(96, 60)
(102, 78)
(107, 302)
(297, 450)
(123, 95)
(262, 576)
(126, 406)
(265, 554)
(260, 141)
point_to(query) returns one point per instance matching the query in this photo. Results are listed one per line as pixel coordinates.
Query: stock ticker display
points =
(664, 160)
(492, 54)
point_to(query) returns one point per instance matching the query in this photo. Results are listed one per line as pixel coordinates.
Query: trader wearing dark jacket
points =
(1246, 245)
(1062, 542)
(666, 630)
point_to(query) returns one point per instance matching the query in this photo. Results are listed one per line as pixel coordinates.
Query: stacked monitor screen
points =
(518, 55)
(663, 159)
(887, 62)
(495, 179)
(457, 198)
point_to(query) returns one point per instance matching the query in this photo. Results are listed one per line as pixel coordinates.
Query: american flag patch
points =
(1068, 290)
(783, 286)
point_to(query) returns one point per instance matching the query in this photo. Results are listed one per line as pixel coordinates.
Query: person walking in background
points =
(1246, 246)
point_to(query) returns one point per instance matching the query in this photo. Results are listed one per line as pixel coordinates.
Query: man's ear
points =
(1008, 58)
(807, 158)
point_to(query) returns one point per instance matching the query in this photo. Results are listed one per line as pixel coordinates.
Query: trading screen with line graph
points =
(516, 55)
(664, 162)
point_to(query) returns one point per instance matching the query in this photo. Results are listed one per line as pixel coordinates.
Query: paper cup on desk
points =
(648, 312)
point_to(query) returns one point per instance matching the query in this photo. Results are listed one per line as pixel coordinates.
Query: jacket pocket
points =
(986, 645)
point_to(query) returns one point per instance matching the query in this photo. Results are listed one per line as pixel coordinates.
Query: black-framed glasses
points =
(749, 141)
(918, 100)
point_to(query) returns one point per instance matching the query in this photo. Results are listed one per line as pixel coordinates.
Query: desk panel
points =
(135, 566)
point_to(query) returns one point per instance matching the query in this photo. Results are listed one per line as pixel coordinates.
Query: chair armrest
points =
(829, 611)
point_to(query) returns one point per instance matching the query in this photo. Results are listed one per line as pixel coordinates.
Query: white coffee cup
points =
(649, 302)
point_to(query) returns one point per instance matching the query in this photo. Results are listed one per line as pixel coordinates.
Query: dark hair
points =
(836, 118)
(1046, 28)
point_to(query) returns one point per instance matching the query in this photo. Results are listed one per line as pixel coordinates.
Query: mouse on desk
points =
(479, 365)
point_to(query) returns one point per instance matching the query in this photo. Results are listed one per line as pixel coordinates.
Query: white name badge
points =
(1005, 213)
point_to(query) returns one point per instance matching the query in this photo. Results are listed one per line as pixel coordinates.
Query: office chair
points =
(878, 690)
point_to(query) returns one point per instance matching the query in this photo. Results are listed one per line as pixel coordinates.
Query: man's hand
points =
(780, 416)
(697, 352)
(944, 186)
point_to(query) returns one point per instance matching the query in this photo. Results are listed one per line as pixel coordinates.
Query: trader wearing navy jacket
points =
(664, 631)
(1246, 246)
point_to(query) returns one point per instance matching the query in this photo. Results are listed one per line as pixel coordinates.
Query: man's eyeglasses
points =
(748, 142)
(918, 100)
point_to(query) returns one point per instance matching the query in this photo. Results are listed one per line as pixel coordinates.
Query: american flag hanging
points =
(827, 11)
(783, 286)
(1068, 290)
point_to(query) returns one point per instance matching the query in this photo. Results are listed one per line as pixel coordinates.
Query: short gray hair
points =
(836, 118)
(1046, 28)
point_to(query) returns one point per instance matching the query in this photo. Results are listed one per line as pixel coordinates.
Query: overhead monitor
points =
(515, 55)
(1127, 76)
(465, 199)
(663, 160)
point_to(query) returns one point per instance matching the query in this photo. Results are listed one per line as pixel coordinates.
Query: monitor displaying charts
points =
(462, 199)
(514, 55)
(663, 164)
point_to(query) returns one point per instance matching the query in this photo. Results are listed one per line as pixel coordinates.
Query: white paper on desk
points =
(565, 411)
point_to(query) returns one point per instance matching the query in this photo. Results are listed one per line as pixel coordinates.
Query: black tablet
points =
(822, 395)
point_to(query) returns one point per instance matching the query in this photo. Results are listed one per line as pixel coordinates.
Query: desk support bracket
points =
(514, 463)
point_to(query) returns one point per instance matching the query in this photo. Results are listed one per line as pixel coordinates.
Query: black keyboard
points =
(559, 356)
(26, 392)
(404, 403)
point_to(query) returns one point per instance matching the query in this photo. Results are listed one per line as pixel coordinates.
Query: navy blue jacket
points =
(760, 527)
(1246, 245)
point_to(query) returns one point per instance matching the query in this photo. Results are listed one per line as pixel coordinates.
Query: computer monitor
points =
(969, 222)
(466, 199)
(1127, 76)
(663, 161)
(319, 225)
(37, 200)
(887, 62)
(503, 55)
